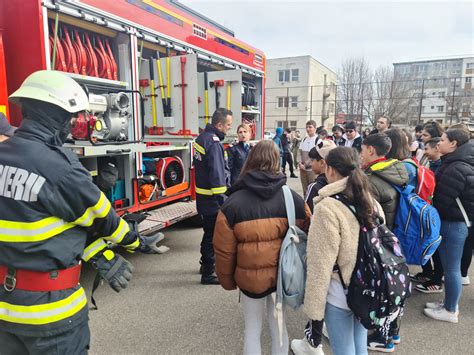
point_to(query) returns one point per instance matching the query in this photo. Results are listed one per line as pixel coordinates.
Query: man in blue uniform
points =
(48, 207)
(212, 179)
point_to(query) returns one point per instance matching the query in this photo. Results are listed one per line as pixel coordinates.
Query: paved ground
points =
(167, 311)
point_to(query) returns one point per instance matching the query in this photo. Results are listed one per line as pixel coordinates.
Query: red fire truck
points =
(154, 71)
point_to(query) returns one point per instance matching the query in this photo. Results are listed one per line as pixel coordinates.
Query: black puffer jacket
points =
(455, 178)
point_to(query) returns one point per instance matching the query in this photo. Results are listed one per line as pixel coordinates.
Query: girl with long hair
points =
(333, 238)
(250, 229)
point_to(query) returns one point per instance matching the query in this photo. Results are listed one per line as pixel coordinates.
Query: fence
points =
(406, 102)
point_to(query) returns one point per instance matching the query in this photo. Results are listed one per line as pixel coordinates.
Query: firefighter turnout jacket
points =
(48, 203)
(212, 173)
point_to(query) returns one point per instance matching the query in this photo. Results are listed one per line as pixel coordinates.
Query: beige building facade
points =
(299, 89)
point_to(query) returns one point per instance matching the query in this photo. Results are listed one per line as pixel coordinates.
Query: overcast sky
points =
(382, 31)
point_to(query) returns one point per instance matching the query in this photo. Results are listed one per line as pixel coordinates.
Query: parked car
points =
(268, 135)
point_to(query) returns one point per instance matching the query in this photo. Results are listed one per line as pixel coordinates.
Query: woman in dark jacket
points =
(249, 231)
(237, 154)
(454, 200)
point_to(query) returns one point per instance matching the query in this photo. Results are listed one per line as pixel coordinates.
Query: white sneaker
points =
(302, 347)
(436, 305)
(441, 314)
(465, 280)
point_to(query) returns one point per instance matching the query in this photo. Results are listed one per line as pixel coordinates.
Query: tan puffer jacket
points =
(333, 236)
(249, 231)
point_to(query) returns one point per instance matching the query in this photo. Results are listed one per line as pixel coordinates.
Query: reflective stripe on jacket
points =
(49, 209)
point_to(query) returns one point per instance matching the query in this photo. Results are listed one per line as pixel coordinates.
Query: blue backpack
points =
(292, 265)
(417, 227)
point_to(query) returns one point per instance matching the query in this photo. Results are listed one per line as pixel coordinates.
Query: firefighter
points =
(212, 179)
(48, 204)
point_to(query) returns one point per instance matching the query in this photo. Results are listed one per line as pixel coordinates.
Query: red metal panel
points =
(24, 44)
(3, 81)
(177, 24)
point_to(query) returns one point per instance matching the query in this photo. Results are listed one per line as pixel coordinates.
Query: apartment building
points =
(299, 89)
(442, 88)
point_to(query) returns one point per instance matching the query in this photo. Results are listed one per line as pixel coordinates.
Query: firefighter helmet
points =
(55, 88)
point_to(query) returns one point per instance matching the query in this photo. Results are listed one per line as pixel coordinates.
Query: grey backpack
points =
(292, 265)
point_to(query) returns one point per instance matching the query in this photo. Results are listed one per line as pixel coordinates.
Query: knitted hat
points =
(323, 147)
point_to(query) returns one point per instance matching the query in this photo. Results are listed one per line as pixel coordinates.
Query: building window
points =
(295, 74)
(284, 75)
(470, 66)
(440, 108)
(282, 102)
(285, 124)
(422, 108)
(199, 31)
(441, 94)
(432, 107)
(442, 66)
(468, 80)
(294, 101)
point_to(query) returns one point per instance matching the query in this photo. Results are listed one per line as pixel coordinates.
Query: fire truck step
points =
(165, 216)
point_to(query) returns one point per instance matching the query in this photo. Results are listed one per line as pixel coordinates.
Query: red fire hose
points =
(92, 65)
(104, 61)
(71, 60)
(81, 53)
(60, 62)
(112, 60)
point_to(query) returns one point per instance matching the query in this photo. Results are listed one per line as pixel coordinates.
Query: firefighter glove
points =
(148, 243)
(114, 269)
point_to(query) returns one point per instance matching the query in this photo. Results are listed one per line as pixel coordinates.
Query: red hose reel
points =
(170, 171)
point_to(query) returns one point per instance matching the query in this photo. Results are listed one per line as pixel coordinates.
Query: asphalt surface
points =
(167, 311)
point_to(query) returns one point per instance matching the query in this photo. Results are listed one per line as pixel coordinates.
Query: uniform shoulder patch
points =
(215, 138)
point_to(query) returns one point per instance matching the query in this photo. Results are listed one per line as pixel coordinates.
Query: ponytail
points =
(345, 161)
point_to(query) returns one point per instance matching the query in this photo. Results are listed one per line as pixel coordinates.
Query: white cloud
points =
(383, 31)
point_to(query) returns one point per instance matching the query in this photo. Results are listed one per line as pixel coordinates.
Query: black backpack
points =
(380, 282)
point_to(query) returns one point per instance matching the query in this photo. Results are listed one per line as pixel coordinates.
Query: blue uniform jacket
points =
(212, 172)
(237, 157)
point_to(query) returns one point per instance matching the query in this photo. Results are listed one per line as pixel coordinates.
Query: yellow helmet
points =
(55, 88)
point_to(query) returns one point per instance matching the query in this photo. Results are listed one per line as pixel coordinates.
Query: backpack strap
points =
(463, 211)
(345, 201)
(290, 206)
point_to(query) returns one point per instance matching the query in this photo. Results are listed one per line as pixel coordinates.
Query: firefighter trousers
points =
(207, 246)
(73, 342)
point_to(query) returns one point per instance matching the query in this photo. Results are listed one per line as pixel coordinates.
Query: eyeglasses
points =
(350, 131)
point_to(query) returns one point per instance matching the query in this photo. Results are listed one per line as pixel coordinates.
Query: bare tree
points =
(388, 96)
(354, 75)
(458, 102)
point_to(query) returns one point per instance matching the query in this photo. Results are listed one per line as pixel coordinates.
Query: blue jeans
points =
(454, 235)
(346, 334)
